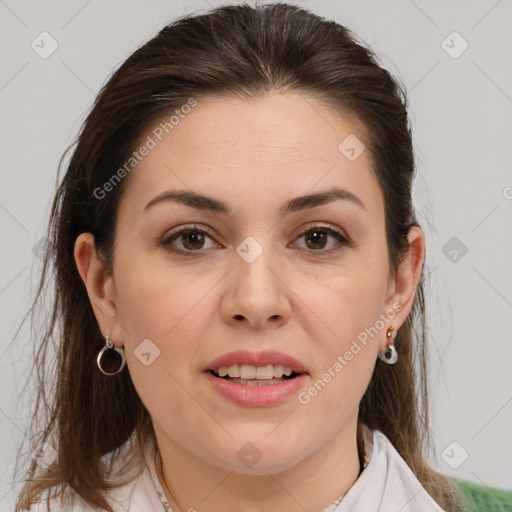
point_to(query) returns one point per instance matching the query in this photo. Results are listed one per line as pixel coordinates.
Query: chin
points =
(252, 458)
(270, 467)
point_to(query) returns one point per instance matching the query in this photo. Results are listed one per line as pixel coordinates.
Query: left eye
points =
(318, 237)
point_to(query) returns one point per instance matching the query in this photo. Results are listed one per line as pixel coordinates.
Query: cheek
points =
(154, 300)
(344, 304)
(342, 312)
(163, 320)
(345, 354)
(166, 313)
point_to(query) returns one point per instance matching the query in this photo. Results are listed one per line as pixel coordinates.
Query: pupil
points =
(196, 237)
(319, 237)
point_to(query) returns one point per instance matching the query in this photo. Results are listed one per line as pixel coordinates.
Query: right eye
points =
(191, 238)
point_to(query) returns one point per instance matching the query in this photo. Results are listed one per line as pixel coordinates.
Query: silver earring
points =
(389, 355)
(110, 360)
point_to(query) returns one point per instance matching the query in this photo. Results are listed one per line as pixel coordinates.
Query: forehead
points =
(273, 127)
(272, 146)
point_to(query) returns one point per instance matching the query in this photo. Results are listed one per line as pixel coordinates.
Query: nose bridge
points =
(253, 268)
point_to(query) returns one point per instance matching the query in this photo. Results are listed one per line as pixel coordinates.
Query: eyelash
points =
(166, 241)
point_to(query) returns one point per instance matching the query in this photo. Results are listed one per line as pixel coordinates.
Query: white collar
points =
(387, 484)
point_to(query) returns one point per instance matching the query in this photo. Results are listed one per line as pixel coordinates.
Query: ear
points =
(403, 285)
(100, 287)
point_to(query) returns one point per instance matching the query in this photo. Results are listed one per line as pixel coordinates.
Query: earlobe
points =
(98, 283)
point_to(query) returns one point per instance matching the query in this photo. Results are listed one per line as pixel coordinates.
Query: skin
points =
(254, 155)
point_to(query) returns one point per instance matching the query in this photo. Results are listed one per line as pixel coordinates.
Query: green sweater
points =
(479, 498)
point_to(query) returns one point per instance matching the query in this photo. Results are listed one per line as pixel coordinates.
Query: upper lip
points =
(262, 358)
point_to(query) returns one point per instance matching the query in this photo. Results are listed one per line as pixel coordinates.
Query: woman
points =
(239, 275)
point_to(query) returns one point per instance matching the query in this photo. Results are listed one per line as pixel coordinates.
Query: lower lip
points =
(256, 396)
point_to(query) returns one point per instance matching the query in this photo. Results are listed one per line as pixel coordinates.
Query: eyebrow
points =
(305, 202)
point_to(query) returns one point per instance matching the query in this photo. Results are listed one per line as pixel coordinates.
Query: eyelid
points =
(325, 225)
(188, 227)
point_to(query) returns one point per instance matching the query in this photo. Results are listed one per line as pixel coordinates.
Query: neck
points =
(191, 484)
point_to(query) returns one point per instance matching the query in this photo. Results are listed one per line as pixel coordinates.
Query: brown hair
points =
(238, 50)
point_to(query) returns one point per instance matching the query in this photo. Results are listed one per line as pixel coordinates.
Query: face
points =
(192, 284)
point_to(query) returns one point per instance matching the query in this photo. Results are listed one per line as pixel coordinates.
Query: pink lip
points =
(257, 359)
(256, 396)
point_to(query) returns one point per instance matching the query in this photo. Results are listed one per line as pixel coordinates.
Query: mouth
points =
(256, 377)
(250, 375)
(255, 386)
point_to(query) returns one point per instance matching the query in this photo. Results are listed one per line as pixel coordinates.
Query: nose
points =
(257, 293)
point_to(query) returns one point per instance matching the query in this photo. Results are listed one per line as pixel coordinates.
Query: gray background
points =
(461, 116)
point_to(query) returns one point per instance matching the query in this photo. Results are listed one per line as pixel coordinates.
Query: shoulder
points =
(475, 497)
(131, 489)
(479, 497)
(67, 500)
(137, 495)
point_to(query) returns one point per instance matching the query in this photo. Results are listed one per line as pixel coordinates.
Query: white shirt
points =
(386, 484)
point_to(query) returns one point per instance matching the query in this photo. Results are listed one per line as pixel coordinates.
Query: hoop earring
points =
(389, 355)
(110, 360)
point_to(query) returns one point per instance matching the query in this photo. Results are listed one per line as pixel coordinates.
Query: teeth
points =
(264, 372)
(234, 371)
(250, 372)
(222, 371)
(278, 371)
